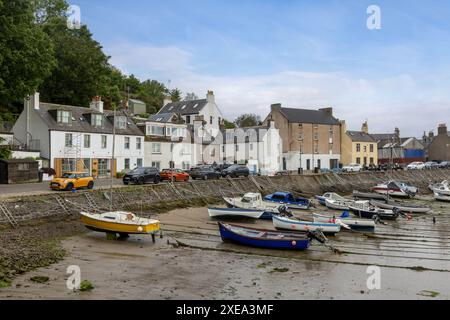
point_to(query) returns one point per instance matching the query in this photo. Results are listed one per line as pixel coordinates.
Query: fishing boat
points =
(290, 223)
(286, 198)
(441, 197)
(238, 212)
(264, 238)
(121, 222)
(369, 195)
(320, 199)
(364, 209)
(354, 224)
(253, 201)
(395, 189)
(336, 202)
(442, 188)
(401, 206)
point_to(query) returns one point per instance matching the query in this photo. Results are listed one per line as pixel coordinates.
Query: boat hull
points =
(227, 234)
(103, 226)
(354, 224)
(321, 200)
(372, 214)
(235, 212)
(441, 197)
(400, 207)
(391, 192)
(368, 195)
(304, 226)
(335, 205)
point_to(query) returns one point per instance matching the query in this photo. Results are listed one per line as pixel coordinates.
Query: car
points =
(236, 171)
(282, 173)
(72, 180)
(353, 167)
(431, 165)
(389, 166)
(416, 166)
(444, 165)
(204, 172)
(142, 175)
(174, 175)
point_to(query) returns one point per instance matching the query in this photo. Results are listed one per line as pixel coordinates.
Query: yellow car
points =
(71, 180)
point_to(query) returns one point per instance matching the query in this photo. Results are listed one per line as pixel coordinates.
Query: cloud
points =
(412, 103)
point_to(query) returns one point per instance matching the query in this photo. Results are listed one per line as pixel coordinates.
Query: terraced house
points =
(358, 146)
(78, 138)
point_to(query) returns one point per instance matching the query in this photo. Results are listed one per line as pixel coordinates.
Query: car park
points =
(142, 175)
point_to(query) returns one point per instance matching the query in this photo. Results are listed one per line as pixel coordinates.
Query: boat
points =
(395, 189)
(441, 197)
(320, 199)
(329, 195)
(289, 200)
(401, 206)
(289, 223)
(253, 201)
(364, 209)
(264, 238)
(369, 195)
(336, 202)
(121, 222)
(238, 212)
(354, 224)
(442, 188)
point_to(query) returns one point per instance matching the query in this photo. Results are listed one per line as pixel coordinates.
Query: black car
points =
(235, 171)
(204, 172)
(142, 175)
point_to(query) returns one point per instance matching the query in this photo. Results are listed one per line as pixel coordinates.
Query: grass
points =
(5, 283)
(86, 285)
(40, 279)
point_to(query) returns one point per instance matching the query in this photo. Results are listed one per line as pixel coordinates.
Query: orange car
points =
(70, 180)
(174, 175)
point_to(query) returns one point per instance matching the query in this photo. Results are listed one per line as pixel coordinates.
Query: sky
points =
(300, 53)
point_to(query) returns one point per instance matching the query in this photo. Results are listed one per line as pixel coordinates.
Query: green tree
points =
(175, 95)
(5, 152)
(228, 124)
(248, 120)
(152, 93)
(190, 97)
(26, 53)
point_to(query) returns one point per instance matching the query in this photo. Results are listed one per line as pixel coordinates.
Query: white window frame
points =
(156, 148)
(63, 116)
(87, 138)
(104, 141)
(96, 120)
(68, 142)
(126, 144)
(138, 143)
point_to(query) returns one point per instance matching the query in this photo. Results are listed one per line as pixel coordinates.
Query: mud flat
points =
(192, 262)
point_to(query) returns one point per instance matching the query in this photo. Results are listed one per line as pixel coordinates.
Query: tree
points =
(228, 124)
(248, 120)
(152, 93)
(5, 152)
(190, 97)
(175, 95)
(26, 53)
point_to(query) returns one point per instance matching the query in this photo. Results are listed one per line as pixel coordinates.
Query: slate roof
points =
(184, 107)
(383, 136)
(359, 136)
(81, 124)
(309, 116)
(137, 101)
(161, 117)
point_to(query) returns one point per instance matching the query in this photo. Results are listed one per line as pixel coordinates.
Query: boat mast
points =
(112, 158)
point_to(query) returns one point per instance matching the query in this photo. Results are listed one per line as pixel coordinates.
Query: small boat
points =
(441, 197)
(401, 206)
(369, 195)
(442, 188)
(395, 189)
(264, 238)
(286, 223)
(336, 202)
(289, 200)
(364, 209)
(123, 223)
(321, 199)
(253, 201)
(354, 224)
(238, 212)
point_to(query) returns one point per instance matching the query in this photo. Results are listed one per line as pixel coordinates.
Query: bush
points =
(86, 286)
(120, 175)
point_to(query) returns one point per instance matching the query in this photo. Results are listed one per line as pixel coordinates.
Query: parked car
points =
(174, 175)
(431, 165)
(444, 165)
(204, 172)
(388, 166)
(142, 175)
(235, 171)
(71, 180)
(416, 166)
(354, 167)
(221, 167)
(282, 173)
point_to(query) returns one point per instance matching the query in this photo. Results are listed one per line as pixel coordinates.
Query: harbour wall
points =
(150, 199)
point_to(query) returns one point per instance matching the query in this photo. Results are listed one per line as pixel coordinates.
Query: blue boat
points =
(289, 200)
(264, 238)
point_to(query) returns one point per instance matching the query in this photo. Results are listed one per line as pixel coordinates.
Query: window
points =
(300, 136)
(237, 148)
(127, 164)
(69, 140)
(223, 148)
(156, 148)
(157, 130)
(251, 146)
(319, 164)
(156, 164)
(87, 141)
(103, 167)
(23, 166)
(138, 143)
(371, 161)
(97, 120)
(213, 152)
(365, 148)
(358, 160)
(64, 116)
(68, 165)
(185, 165)
(139, 163)
(127, 142)
(104, 142)
(300, 126)
(188, 119)
(365, 161)
(371, 148)
(121, 122)
(316, 136)
(211, 119)
(308, 164)
(358, 147)
(316, 147)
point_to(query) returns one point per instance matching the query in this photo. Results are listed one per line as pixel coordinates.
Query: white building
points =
(78, 138)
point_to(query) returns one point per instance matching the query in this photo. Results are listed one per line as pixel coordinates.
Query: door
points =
(308, 164)
(284, 164)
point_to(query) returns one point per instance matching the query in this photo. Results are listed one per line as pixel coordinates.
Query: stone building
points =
(439, 148)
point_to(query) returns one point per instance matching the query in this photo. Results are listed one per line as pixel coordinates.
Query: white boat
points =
(442, 188)
(355, 224)
(235, 212)
(401, 206)
(336, 202)
(304, 226)
(252, 201)
(395, 189)
(364, 209)
(441, 197)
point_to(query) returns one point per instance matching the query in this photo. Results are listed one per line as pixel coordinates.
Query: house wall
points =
(364, 155)
(138, 108)
(183, 155)
(439, 149)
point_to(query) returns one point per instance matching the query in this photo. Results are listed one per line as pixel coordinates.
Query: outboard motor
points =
(284, 211)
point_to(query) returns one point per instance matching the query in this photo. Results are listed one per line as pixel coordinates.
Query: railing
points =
(16, 145)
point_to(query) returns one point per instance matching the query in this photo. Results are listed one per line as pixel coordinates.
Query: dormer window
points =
(121, 122)
(64, 116)
(97, 120)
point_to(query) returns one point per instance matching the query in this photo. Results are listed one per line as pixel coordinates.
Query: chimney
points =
(167, 100)
(343, 126)
(328, 111)
(33, 100)
(97, 104)
(275, 107)
(365, 127)
(210, 97)
(442, 129)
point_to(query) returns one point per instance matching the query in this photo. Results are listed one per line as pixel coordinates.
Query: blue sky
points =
(301, 53)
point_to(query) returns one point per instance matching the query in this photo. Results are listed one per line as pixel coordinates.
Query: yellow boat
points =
(121, 222)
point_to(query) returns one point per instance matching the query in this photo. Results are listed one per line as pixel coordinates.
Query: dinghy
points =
(286, 223)
(289, 200)
(442, 188)
(354, 224)
(264, 238)
(441, 197)
(336, 202)
(364, 209)
(395, 189)
(238, 212)
(401, 206)
(252, 201)
(368, 195)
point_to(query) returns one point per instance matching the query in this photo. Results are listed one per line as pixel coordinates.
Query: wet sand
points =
(414, 257)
